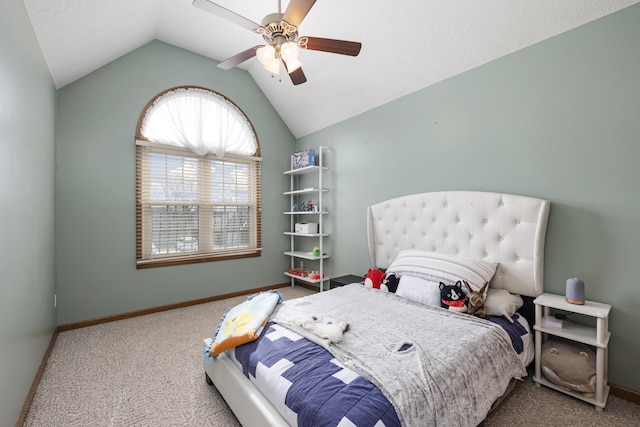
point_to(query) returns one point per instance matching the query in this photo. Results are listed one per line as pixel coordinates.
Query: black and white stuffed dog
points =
(452, 297)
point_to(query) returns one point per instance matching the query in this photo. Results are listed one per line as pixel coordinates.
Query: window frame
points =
(143, 145)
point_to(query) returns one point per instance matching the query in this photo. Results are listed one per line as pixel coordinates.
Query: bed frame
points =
(509, 229)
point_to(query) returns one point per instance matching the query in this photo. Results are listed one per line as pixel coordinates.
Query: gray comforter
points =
(435, 366)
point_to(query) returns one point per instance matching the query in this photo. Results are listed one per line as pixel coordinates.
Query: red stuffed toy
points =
(374, 278)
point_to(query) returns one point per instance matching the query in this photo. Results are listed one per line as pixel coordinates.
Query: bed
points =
(454, 379)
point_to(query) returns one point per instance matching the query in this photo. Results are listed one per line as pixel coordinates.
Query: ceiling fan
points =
(280, 32)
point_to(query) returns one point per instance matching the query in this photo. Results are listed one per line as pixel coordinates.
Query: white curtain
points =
(201, 121)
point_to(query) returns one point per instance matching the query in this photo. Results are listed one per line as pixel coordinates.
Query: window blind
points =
(196, 207)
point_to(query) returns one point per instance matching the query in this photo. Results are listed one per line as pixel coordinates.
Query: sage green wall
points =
(95, 187)
(27, 167)
(559, 120)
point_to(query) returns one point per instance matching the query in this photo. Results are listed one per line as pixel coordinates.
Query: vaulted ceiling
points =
(407, 44)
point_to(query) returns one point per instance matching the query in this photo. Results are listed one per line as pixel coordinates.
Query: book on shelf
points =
(304, 158)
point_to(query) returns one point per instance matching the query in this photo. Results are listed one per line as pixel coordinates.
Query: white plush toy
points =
(324, 327)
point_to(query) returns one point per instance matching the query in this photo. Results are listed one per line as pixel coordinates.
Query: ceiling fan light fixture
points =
(289, 51)
(273, 66)
(266, 55)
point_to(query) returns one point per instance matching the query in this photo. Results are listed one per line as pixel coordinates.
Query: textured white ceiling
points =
(407, 44)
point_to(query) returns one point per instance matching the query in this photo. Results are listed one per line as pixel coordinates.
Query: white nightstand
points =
(597, 337)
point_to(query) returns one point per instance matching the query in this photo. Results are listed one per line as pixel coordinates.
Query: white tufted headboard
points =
(505, 228)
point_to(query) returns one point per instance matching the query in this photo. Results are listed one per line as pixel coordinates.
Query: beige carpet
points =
(147, 371)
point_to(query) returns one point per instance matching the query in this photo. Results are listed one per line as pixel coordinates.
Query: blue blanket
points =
(307, 385)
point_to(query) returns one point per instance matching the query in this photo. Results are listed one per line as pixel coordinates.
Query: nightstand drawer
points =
(344, 280)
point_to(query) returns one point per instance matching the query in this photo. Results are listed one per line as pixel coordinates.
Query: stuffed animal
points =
(476, 306)
(324, 327)
(571, 365)
(390, 283)
(374, 278)
(452, 297)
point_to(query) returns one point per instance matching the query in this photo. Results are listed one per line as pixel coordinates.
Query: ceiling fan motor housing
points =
(276, 31)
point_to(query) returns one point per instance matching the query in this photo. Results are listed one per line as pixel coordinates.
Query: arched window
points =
(197, 180)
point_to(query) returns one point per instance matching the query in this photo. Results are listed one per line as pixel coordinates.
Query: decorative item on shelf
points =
(304, 207)
(554, 322)
(569, 364)
(306, 227)
(575, 291)
(301, 272)
(315, 275)
(304, 158)
(316, 251)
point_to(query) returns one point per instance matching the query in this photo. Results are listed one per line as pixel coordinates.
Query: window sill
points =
(195, 259)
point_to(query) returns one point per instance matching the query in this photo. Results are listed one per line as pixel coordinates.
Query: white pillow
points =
(419, 290)
(438, 267)
(501, 302)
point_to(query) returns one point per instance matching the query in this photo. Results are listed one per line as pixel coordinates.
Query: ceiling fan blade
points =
(230, 16)
(342, 47)
(297, 10)
(297, 75)
(239, 58)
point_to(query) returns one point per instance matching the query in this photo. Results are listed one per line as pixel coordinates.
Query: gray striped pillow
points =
(446, 268)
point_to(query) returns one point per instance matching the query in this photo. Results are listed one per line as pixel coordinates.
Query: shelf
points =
(589, 308)
(311, 190)
(591, 400)
(597, 337)
(289, 233)
(305, 255)
(305, 279)
(574, 331)
(307, 187)
(305, 170)
(306, 213)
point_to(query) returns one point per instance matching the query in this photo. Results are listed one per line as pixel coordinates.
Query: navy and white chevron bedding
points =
(309, 387)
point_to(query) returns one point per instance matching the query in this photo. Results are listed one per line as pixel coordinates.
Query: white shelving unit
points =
(296, 195)
(597, 337)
